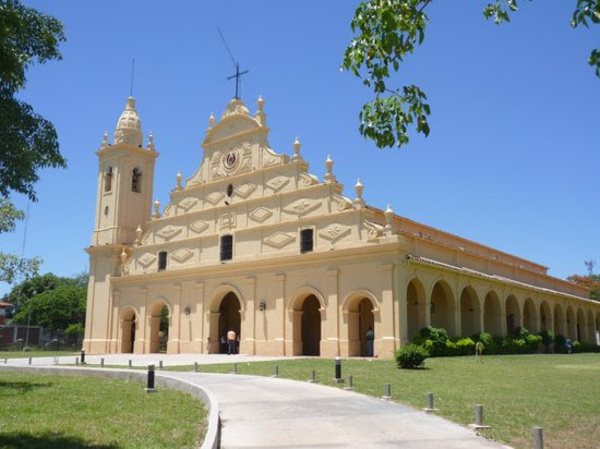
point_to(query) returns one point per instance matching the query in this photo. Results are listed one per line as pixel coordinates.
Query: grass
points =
(27, 354)
(560, 393)
(53, 412)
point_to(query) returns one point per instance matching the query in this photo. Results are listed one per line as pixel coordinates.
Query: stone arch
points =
(571, 323)
(442, 307)
(545, 316)
(159, 317)
(307, 308)
(492, 314)
(513, 314)
(361, 309)
(530, 318)
(591, 327)
(580, 326)
(129, 326)
(559, 320)
(470, 312)
(416, 304)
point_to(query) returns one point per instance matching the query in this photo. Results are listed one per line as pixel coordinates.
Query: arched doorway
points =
(159, 327)
(559, 320)
(415, 308)
(513, 315)
(442, 308)
(128, 329)
(311, 326)
(492, 317)
(581, 328)
(469, 312)
(571, 324)
(530, 321)
(230, 318)
(545, 317)
(361, 319)
(591, 333)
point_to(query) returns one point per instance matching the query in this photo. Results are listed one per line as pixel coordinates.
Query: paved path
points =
(261, 412)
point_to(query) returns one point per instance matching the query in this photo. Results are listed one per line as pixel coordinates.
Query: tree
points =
(388, 31)
(591, 282)
(11, 265)
(28, 142)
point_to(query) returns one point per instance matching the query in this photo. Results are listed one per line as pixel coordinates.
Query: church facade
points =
(253, 242)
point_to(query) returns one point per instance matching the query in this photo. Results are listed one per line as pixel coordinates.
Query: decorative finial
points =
(105, 140)
(138, 235)
(211, 120)
(123, 256)
(358, 201)
(260, 114)
(389, 220)
(156, 207)
(179, 177)
(297, 145)
(329, 177)
(151, 142)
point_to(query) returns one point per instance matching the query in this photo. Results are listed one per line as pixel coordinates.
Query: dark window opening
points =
(229, 190)
(136, 180)
(226, 247)
(108, 179)
(162, 260)
(306, 240)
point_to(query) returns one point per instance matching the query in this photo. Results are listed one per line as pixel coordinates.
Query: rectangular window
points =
(226, 247)
(162, 260)
(306, 240)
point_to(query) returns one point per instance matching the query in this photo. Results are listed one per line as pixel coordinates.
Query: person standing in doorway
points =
(231, 342)
(370, 340)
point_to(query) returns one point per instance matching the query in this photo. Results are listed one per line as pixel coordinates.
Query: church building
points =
(253, 242)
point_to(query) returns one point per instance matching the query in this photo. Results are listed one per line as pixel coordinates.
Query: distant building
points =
(6, 310)
(255, 243)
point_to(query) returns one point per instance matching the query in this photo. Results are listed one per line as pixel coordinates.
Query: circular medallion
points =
(230, 160)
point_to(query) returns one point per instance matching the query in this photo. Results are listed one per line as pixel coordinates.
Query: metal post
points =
(82, 356)
(102, 362)
(313, 378)
(130, 363)
(429, 408)
(478, 425)
(276, 371)
(77, 361)
(538, 438)
(27, 333)
(30, 360)
(350, 383)
(234, 369)
(150, 380)
(338, 370)
(195, 367)
(388, 392)
(160, 364)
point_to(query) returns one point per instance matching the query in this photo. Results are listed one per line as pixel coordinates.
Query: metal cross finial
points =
(238, 74)
(238, 81)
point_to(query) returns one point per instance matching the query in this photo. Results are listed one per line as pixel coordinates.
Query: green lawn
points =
(560, 393)
(58, 412)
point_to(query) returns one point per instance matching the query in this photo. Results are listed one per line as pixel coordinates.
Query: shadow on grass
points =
(18, 440)
(22, 387)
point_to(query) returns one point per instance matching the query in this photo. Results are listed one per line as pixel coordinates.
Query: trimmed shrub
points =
(560, 346)
(547, 340)
(411, 356)
(534, 343)
(433, 339)
(464, 346)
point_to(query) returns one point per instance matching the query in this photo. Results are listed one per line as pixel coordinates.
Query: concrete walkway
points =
(260, 412)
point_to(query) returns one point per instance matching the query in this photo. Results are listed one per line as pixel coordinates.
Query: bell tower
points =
(125, 174)
(123, 202)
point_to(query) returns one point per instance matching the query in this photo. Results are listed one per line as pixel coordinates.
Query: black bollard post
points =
(195, 367)
(129, 363)
(338, 370)
(313, 378)
(82, 356)
(77, 361)
(102, 362)
(160, 365)
(276, 371)
(538, 438)
(30, 360)
(150, 380)
(234, 369)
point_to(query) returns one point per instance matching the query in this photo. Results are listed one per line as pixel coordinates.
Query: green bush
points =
(547, 339)
(464, 346)
(411, 356)
(534, 343)
(433, 339)
(560, 346)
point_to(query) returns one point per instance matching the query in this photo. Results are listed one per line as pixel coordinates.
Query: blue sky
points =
(512, 160)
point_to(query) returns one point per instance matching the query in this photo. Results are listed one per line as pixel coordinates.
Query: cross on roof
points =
(238, 81)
